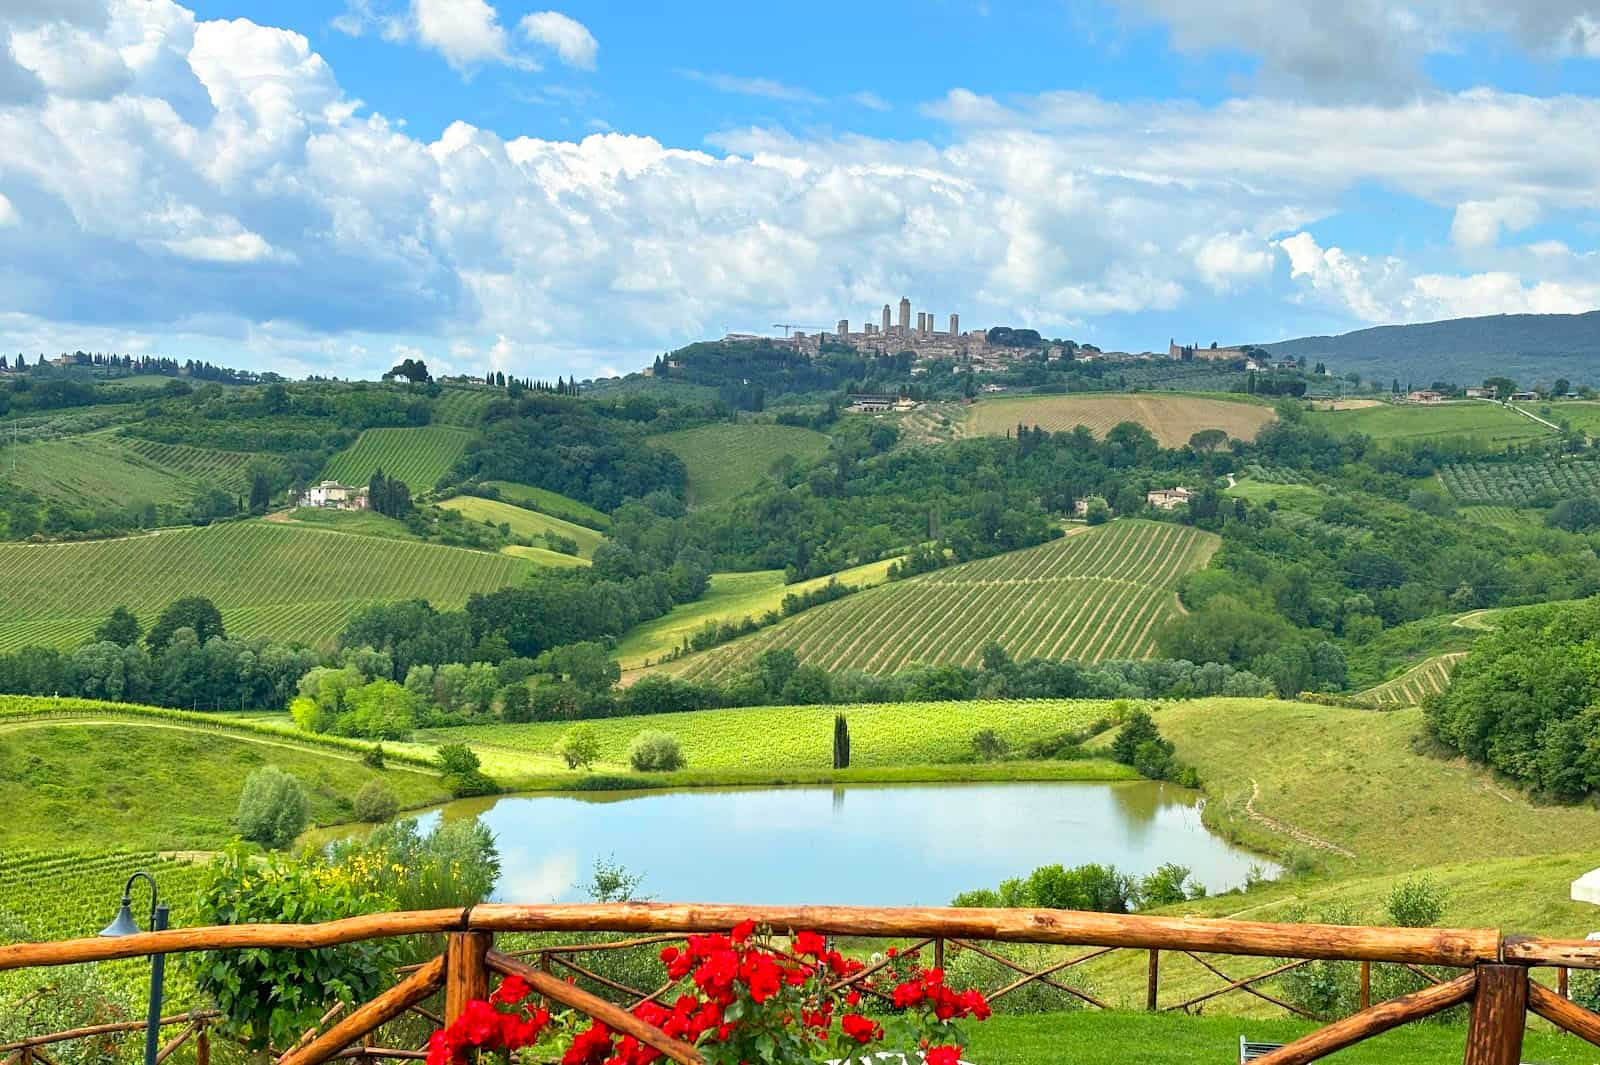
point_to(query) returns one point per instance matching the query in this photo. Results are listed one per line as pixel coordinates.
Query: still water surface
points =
(893, 845)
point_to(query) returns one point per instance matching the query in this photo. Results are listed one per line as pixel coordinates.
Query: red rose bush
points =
(740, 999)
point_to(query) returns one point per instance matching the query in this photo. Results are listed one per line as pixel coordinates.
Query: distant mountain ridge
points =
(1531, 348)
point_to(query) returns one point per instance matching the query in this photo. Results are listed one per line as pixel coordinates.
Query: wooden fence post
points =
(466, 976)
(938, 953)
(202, 1045)
(1366, 984)
(1153, 980)
(1499, 1015)
(1561, 982)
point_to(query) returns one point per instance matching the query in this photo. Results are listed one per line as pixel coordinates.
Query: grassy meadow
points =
(268, 579)
(730, 598)
(552, 503)
(419, 457)
(1097, 593)
(524, 522)
(1171, 418)
(725, 459)
(1488, 424)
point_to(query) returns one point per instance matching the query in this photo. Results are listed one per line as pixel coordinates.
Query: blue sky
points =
(325, 188)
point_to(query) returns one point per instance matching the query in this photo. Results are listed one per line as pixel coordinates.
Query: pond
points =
(891, 845)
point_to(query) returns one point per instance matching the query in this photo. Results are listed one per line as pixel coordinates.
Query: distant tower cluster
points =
(844, 328)
(955, 325)
(886, 317)
(905, 316)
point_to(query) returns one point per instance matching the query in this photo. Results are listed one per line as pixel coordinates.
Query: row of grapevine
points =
(288, 582)
(1267, 474)
(1429, 677)
(1098, 594)
(1521, 483)
(228, 470)
(463, 406)
(419, 457)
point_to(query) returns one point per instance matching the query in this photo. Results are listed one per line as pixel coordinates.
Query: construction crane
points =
(787, 326)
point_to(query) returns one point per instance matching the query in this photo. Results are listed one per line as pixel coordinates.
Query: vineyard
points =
(1101, 593)
(1172, 419)
(1487, 424)
(1429, 677)
(278, 581)
(1521, 483)
(63, 894)
(419, 457)
(724, 460)
(228, 470)
(463, 406)
(795, 738)
(100, 470)
(526, 523)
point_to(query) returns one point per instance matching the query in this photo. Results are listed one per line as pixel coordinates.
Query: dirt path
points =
(1284, 828)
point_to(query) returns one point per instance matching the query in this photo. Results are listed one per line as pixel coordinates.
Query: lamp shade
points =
(123, 924)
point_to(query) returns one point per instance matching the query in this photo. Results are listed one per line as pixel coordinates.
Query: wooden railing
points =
(1494, 978)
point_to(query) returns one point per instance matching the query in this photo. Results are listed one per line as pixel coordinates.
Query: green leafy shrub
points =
(375, 802)
(459, 764)
(272, 808)
(653, 751)
(272, 996)
(373, 758)
(988, 745)
(579, 747)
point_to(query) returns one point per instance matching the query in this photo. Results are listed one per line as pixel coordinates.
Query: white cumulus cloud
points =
(567, 37)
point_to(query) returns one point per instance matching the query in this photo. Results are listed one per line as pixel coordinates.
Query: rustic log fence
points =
(1494, 978)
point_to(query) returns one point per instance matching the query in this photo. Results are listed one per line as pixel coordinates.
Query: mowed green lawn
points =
(283, 581)
(800, 738)
(524, 522)
(419, 457)
(1092, 1037)
(1486, 423)
(725, 460)
(1097, 593)
(552, 503)
(731, 598)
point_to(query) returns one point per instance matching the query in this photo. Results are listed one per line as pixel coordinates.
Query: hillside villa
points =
(334, 496)
(1424, 395)
(1167, 498)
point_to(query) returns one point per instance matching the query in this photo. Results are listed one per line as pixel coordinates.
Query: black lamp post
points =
(124, 925)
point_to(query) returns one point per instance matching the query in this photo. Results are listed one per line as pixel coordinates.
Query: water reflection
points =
(888, 845)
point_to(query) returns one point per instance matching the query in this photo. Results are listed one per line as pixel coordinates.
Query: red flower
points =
(742, 931)
(810, 944)
(942, 1056)
(861, 1029)
(512, 990)
(592, 1047)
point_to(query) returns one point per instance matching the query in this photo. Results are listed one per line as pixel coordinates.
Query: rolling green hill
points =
(523, 522)
(1100, 593)
(724, 460)
(731, 598)
(108, 470)
(419, 457)
(552, 503)
(281, 581)
(1486, 423)
(124, 782)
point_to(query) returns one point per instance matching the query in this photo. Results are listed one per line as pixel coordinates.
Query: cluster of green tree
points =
(1139, 744)
(715, 632)
(1287, 591)
(1526, 700)
(590, 451)
(1088, 887)
(777, 677)
(389, 496)
(185, 661)
(968, 499)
